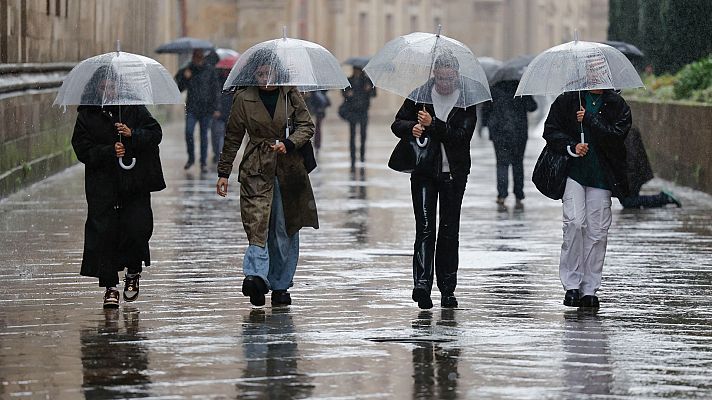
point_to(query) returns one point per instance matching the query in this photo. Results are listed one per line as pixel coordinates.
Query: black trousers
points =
(645, 201)
(426, 191)
(362, 121)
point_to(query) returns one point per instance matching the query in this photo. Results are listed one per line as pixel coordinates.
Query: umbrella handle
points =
(127, 167)
(423, 143)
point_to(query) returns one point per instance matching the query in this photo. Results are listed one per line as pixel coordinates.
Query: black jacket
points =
(203, 88)
(610, 125)
(361, 91)
(639, 170)
(455, 133)
(506, 115)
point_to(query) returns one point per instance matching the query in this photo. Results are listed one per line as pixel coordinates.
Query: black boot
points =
(256, 288)
(448, 301)
(589, 301)
(281, 298)
(571, 298)
(421, 295)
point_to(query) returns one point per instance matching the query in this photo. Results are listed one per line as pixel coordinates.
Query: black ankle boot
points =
(589, 302)
(422, 297)
(571, 298)
(281, 298)
(256, 288)
(448, 301)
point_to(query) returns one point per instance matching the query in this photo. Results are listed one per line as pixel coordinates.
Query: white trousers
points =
(587, 217)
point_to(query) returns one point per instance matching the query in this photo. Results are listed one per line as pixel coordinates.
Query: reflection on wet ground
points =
(353, 331)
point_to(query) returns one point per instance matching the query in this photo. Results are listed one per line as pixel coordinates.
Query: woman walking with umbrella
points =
(587, 125)
(439, 117)
(276, 197)
(112, 124)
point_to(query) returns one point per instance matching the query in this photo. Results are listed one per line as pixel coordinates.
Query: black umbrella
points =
(358, 62)
(184, 45)
(625, 48)
(512, 70)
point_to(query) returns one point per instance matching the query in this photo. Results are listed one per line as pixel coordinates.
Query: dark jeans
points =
(425, 192)
(204, 121)
(649, 201)
(361, 120)
(217, 136)
(506, 155)
(317, 132)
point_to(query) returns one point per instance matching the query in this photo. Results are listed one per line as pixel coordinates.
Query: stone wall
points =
(38, 45)
(678, 139)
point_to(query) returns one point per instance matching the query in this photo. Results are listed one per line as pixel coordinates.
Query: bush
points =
(693, 77)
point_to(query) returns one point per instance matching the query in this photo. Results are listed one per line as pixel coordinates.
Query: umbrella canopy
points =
(625, 48)
(405, 67)
(358, 62)
(227, 58)
(134, 79)
(511, 70)
(287, 62)
(184, 45)
(490, 65)
(578, 65)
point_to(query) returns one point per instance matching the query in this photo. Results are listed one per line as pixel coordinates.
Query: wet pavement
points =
(353, 331)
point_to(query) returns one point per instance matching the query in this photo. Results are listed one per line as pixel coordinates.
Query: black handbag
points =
(550, 173)
(307, 152)
(409, 157)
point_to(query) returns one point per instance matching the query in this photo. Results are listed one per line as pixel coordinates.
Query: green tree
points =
(623, 20)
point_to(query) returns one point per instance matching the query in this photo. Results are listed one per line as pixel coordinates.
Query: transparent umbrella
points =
(490, 65)
(292, 62)
(405, 64)
(137, 80)
(576, 66)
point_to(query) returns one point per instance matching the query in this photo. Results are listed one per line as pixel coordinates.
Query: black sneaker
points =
(111, 298)
(670, 199)
(188, 165)
(589, 301)
(281, 298)
(448, 301)
(571, 299)
(254, 287)
(422, 297)
(131, 287)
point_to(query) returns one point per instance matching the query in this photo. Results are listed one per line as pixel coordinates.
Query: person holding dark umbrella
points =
(201, 81)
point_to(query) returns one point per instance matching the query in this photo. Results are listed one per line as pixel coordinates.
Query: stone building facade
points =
(40, 41)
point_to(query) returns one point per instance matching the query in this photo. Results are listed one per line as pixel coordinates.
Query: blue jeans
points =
(275, 263)
(217, 136)
(204, 121)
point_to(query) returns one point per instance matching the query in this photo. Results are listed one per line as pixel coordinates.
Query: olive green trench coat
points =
(260, 165)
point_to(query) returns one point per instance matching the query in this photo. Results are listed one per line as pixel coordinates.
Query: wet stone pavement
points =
(353, 331)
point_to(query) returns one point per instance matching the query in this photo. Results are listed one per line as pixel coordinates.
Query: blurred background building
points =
(40, 41)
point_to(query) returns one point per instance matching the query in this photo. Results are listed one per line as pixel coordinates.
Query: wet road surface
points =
(353, 331)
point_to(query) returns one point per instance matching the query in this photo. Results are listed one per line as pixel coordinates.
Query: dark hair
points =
(91, 94)
(260, 57)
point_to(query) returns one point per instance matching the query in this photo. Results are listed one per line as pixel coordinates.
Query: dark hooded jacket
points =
(202, 87)
(107, 185)
(455, 133)
(610, 125)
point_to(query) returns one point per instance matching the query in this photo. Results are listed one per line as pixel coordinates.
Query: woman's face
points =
(263, 75)
(446, 80)
(106, 89)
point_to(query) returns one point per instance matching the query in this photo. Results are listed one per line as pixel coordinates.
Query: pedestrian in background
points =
(597, 172)
(276, 197)
(357, 101)
(201, 82)
(224, 103)
(449, 130)
(508, 131)
(120, 220)
(317, 102)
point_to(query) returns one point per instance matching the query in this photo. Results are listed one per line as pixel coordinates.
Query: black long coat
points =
(639, 170)
(203, 88)
(119, 221)
(610, 125)
(455, 133)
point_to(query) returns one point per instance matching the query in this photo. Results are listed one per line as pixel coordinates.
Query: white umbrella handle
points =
(423, 143)
(124, 166)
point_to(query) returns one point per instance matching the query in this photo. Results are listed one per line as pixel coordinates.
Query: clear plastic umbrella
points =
(490, 65)
(404, 66)
(137, 80)
(292, 62)
(575, 66)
